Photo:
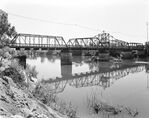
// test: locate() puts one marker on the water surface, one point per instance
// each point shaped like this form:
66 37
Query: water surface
115 83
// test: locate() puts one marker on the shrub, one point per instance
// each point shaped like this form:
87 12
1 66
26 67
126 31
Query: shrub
52 100
96 105
31 71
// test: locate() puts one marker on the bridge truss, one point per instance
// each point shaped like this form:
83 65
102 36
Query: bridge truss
103 40
33 40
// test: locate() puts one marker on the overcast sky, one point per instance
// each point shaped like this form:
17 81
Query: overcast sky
124 19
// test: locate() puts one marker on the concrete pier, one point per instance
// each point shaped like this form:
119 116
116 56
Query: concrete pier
66 57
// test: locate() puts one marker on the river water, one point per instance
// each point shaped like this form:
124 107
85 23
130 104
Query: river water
123 83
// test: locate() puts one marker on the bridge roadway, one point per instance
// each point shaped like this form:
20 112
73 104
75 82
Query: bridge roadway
98 42
93 78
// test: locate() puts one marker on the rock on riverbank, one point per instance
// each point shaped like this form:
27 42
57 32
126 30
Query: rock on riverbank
15 102
16 99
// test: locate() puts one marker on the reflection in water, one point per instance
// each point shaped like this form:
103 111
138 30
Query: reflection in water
93 78
66 71
101 74
147 68
122 83
147 71
77 59
42 54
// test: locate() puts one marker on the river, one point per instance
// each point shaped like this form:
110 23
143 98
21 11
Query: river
123 83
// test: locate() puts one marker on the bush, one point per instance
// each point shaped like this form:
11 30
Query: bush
52 100
7 52
96 105
31 71
14 74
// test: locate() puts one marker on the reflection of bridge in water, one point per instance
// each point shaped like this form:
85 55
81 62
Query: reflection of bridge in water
93 78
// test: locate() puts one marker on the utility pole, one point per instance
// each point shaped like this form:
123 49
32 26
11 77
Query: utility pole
147 43
147 51
147 81
147 30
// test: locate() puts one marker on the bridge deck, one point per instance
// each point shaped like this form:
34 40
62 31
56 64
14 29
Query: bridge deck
63 47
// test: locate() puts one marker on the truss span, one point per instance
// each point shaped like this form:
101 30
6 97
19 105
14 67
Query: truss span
33 40
103 40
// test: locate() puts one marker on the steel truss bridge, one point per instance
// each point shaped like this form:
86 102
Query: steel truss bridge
100 41
93 78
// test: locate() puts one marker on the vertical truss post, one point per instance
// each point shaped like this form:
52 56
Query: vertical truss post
41 41
54 41
38 40
33 40
29 40
47 42
19 42
25 40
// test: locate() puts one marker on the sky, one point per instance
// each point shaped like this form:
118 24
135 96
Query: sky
124 19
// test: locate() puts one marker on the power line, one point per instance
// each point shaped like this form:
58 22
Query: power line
147 30
53 22
68 24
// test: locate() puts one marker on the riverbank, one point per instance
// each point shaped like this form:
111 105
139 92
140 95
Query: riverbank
16 87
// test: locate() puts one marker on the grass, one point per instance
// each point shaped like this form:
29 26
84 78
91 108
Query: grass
96 104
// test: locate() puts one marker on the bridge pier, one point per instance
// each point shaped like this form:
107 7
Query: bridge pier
66 57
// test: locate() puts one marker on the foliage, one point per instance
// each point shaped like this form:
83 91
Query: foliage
21 53
10 67
7 53
96 105
54 102
67 109
6 30
31 71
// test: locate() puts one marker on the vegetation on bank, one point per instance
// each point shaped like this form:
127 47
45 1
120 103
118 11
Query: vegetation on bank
21 94
97 104
6 30
19 90
43 94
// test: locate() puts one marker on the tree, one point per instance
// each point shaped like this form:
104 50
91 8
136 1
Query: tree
6 30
